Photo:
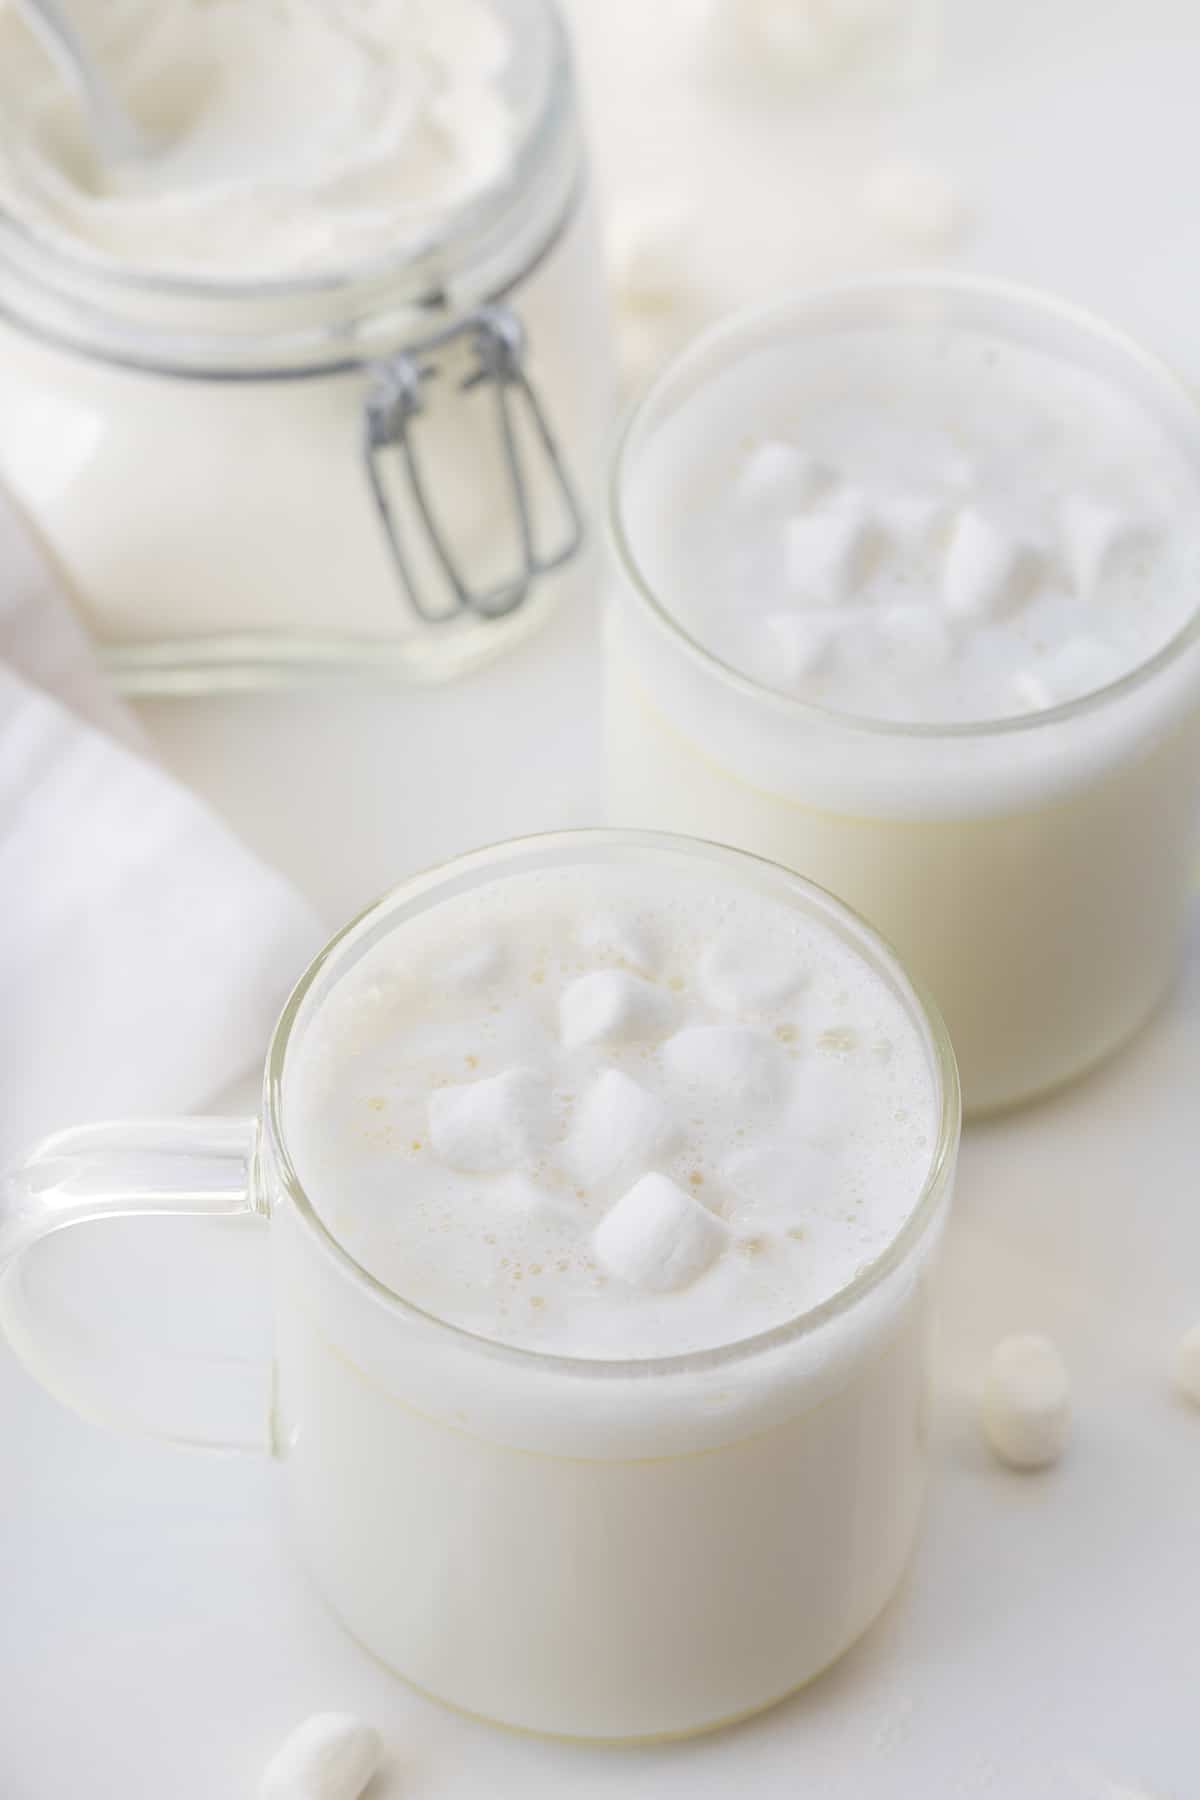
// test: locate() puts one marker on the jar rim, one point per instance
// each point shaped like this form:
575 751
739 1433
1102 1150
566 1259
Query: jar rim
461 224
424 890
750 321
163 322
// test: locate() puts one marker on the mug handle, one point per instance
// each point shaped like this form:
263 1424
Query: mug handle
191 1167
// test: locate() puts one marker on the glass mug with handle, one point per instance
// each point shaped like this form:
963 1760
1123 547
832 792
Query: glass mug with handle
590 1546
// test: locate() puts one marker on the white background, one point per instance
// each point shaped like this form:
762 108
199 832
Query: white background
156 1640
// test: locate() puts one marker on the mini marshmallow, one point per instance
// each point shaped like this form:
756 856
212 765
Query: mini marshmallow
473 967
787 41
648 244
725 1065
914 202
519 1197
1095 540
825 1105
1082 665
828 553
619 939
1186 1367
778 472
912 521
799 643
778 1183
610 1006
619 1127
739 974
916 636
331 1756
988 572
657 1237
1025 1407
493 1124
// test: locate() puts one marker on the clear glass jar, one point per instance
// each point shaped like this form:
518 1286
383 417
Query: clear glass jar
575 1546
1036 871
378 470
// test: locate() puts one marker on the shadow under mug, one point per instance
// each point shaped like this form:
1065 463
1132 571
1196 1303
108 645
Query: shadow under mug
615 1550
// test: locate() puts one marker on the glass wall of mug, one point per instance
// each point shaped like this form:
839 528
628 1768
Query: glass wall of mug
1034 870
387 469
572 1545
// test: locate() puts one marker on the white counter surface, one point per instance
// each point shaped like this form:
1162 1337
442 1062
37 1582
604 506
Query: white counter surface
156 1640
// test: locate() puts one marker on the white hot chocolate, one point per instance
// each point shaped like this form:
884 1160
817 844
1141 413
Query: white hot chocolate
594 1117
909 603
654 1149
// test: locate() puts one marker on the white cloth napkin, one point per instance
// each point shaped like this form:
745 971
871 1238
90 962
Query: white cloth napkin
144 952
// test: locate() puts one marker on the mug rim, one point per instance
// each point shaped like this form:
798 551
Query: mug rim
419 892
754 322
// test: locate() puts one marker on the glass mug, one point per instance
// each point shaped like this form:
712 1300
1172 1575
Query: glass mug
1035 871
615 1550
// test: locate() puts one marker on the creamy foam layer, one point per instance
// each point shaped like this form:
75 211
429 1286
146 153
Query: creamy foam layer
605 1114
919 524
294 136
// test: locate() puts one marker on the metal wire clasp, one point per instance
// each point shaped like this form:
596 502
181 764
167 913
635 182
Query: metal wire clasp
397 395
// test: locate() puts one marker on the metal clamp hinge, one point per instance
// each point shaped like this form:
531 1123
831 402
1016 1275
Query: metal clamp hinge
398 393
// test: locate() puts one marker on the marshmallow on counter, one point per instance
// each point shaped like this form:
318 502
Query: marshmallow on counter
1082 665
1095 539
740 974
805 42
781 473
494 1124
331 1756
828 553
657 291
619 1128
1186 1367
797 644
647 241
1025 1407
988 572
726 1065
611 1006
914 202
657 1237
619 939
